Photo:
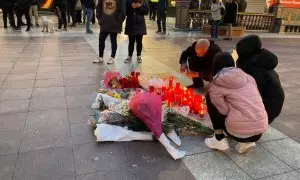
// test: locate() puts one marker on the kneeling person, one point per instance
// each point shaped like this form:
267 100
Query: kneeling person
234 106
198 58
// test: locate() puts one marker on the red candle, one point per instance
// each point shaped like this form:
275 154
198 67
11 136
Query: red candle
171 81
151 89
132 73
163 93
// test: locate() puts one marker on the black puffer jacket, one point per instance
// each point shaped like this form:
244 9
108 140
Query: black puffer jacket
135 21
260 64
231 12
6 3
203 64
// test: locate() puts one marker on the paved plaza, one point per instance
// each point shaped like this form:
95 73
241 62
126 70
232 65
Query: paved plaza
47 84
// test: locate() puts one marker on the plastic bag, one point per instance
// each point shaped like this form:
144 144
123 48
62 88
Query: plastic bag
148 108
107 132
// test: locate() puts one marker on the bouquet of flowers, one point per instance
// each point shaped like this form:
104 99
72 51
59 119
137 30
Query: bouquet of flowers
116 81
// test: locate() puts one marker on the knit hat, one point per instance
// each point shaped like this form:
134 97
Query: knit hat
222 60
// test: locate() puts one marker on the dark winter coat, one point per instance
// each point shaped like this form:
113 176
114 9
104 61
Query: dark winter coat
61 4
203 65
34 2
135 21
260 64
231 12
111 15
90 4
194 4
6 3
162 6
71 4
22 4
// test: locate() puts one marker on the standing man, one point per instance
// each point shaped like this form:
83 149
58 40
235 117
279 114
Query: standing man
111 15
72 11
89 9
162 16
34 10
22 8
230 17
7 7
153 9
198 58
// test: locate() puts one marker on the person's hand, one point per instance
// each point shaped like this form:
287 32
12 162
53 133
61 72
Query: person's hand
138 5
183 68
192 74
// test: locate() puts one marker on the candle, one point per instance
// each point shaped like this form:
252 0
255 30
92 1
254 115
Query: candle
151 89
171 81
163 93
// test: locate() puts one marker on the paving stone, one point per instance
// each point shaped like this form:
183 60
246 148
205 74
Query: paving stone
272 134
81 81
83 101
49 83
26 76
5 70
25 69
193 145
82 133
294 175
287 150
81 90
20 84
79 115
47 164
45 137
14 106
47 118
7 164
49 75
49 69
41 104
3 77
49 92
89 158
109 175
214 165
259 163
287 125
12 121
15 94
10 141
296 138
49 63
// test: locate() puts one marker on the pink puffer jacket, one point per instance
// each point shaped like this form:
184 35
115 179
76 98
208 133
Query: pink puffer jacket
235 94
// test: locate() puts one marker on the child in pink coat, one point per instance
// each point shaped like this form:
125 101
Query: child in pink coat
235 106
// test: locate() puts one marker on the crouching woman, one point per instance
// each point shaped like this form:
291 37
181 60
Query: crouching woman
234 106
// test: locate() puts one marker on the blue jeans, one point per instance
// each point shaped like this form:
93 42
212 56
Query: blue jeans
89 16
215 29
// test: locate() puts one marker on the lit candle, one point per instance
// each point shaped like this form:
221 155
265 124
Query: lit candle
151 89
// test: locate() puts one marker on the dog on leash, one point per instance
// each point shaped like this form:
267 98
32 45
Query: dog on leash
48 24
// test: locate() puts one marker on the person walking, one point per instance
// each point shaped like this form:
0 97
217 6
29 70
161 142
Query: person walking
22 8
71 4
34 11
217 8
7 7
89 8
260 64
111 15
230 17
162 16
60 7
235 106
135 27
152 9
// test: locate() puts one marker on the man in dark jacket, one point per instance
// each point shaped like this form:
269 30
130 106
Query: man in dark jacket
71 10
110 15
230 16
22 8
7 7
162 16
260 64
199 58
34 11
152 9
89 8
61 6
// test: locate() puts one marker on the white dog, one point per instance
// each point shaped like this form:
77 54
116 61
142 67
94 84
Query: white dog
47 24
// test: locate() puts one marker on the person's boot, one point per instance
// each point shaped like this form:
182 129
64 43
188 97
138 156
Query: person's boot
213 143
28 29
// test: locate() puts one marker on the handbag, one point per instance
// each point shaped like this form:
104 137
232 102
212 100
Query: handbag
78 5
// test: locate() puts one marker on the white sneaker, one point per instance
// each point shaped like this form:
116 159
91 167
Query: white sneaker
139 59
243 147
111 60
128 59
99 60
213 143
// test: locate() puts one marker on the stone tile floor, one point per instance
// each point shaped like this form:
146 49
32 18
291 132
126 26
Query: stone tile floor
47 82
